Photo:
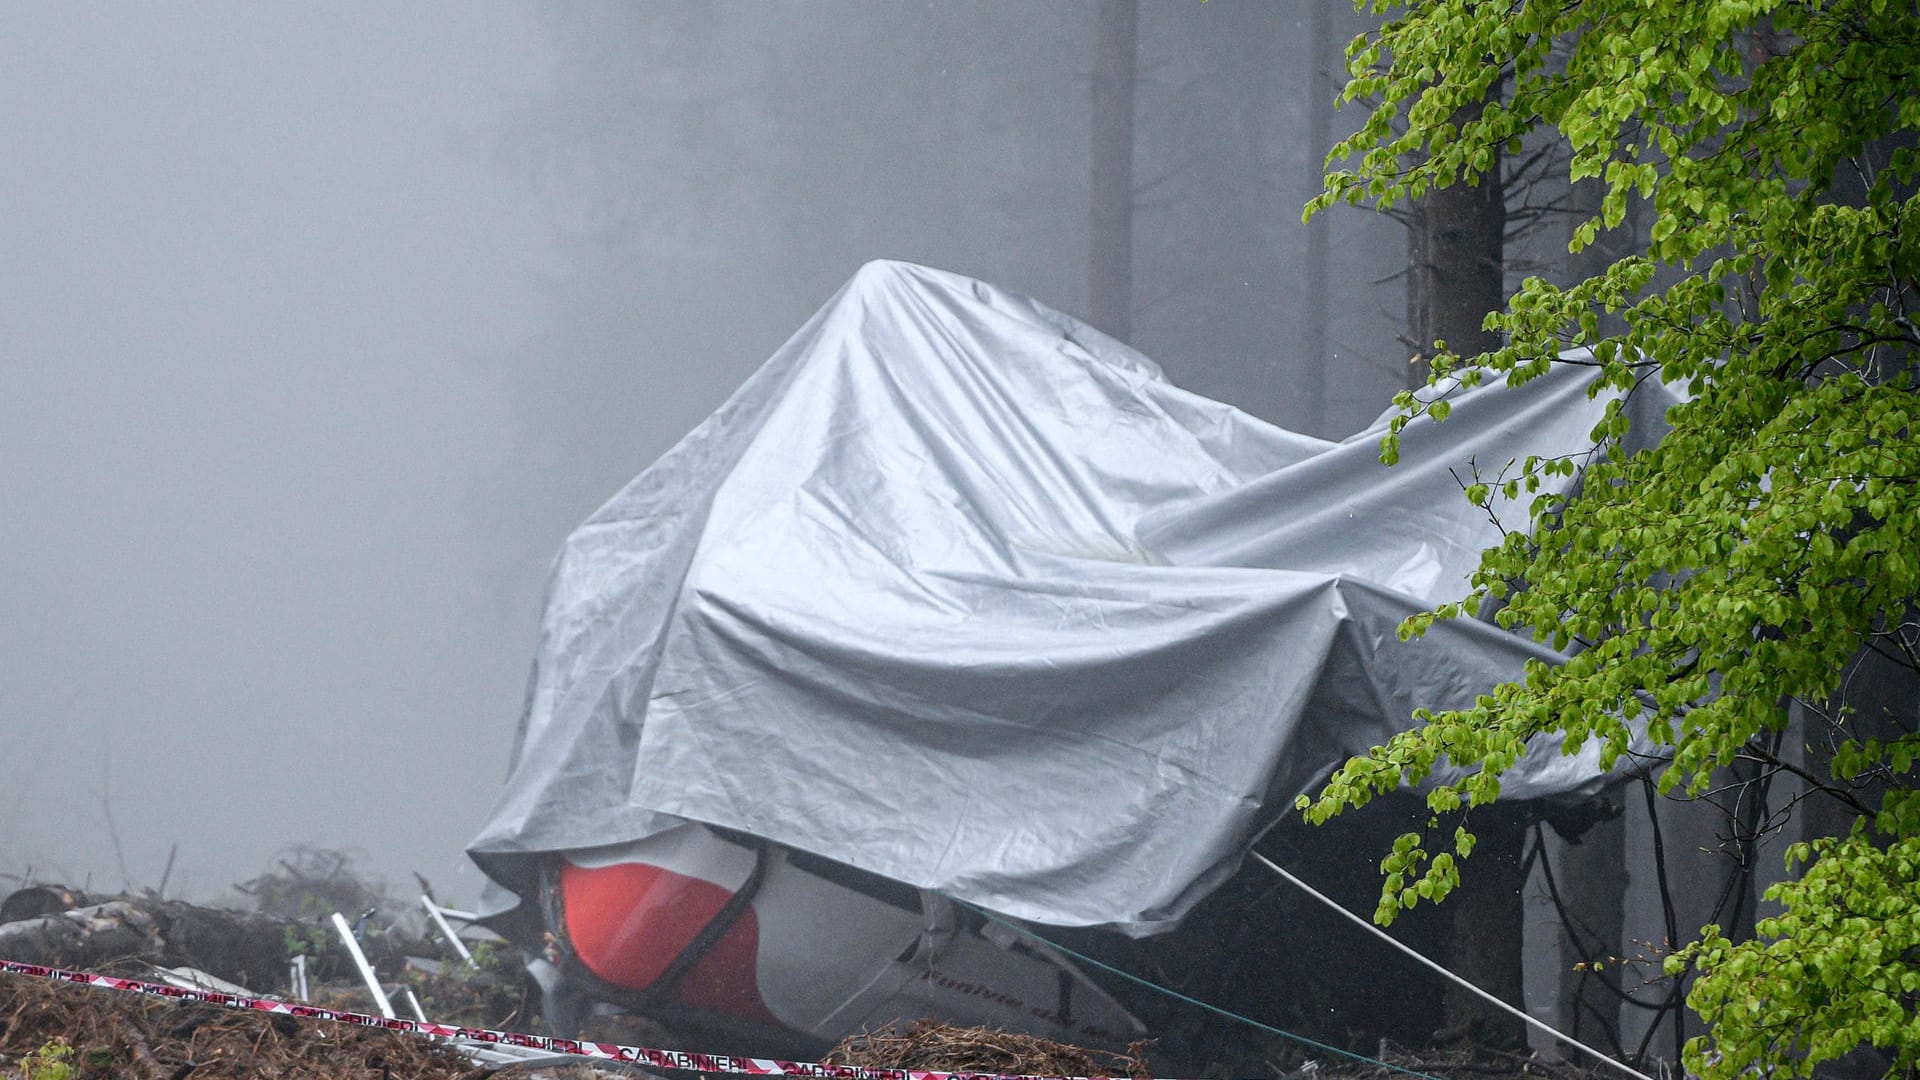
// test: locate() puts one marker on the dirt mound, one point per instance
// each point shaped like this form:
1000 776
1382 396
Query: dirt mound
101 1034
930 1044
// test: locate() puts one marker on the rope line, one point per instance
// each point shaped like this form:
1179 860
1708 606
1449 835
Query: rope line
1194 1001
1443 972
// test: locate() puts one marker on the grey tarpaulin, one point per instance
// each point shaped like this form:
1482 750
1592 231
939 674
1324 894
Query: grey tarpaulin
962 592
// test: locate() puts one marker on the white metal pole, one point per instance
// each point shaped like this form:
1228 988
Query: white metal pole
438 915
366 969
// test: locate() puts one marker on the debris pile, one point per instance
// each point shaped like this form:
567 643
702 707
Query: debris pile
99 1034
930 1044
54 1030
307 882
241 947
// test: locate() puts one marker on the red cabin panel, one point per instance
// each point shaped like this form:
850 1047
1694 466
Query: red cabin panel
628 921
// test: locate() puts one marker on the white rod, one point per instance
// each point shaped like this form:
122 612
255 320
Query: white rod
1489 998
366 969
436 913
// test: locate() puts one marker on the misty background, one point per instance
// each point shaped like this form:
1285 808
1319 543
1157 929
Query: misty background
321 326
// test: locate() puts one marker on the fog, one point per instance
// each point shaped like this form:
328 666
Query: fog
321 326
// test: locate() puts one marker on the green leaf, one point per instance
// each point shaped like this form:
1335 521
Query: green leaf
1752 557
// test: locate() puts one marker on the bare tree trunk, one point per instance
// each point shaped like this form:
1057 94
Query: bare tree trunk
1456 249
1485 941
1592 886
1313 375
1419 296
1592 869
1110 244
1456 256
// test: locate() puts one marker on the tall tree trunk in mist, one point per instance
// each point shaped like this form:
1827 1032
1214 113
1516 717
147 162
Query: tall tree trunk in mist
1591 877
1456 250
1456 253
1313 298
1486 935
1593 869
1110 189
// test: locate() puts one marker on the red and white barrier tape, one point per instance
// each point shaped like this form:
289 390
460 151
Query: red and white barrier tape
638 1055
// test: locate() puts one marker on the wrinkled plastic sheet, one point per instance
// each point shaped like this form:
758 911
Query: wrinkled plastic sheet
959 591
